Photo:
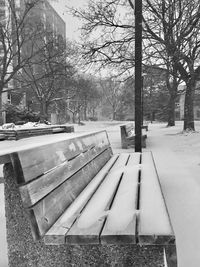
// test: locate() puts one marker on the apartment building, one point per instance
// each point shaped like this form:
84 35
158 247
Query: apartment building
50 19
53 24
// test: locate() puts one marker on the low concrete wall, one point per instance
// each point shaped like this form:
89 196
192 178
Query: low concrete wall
23 251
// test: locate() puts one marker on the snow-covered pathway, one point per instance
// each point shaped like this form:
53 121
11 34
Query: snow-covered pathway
3 249
177 158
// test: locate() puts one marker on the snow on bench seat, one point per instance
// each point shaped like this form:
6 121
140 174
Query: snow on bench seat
87 227
57 233
121 218
154 224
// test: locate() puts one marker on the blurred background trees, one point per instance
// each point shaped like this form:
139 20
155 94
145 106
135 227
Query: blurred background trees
93 79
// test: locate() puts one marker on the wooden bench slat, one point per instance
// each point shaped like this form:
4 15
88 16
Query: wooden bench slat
124 206
88 226
31 163
39 188
56 234
120 226
44 214
154 223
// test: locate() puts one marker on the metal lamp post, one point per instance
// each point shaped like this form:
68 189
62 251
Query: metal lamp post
142 98
138 75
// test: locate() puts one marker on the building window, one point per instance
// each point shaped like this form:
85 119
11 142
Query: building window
9 98
177 105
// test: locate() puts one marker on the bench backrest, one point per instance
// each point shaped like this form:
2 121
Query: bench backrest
51 176
127 129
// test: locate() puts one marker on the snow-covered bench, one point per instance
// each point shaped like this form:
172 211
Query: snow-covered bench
76 192
19 133
145 126
128 136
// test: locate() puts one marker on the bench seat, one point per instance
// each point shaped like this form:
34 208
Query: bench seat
124 205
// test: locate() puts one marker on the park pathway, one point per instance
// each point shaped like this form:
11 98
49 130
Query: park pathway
3 246
180 182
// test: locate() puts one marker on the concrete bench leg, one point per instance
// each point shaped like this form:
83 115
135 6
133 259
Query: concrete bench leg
171 256
124 145
143 142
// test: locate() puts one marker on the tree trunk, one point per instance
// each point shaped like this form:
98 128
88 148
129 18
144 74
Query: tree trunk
171 110
2 113
189 107
114 115
93 112
43 111
172 89
85 111
74 117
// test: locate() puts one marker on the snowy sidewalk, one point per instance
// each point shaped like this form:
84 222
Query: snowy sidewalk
3 249
180 187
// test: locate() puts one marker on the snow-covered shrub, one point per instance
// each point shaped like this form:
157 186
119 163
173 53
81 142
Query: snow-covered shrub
17 113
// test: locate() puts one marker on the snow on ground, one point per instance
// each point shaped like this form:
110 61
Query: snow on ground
177 158
3 249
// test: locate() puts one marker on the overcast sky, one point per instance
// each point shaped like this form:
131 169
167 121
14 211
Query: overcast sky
72 24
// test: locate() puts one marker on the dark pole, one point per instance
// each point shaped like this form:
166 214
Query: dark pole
142 102
138 75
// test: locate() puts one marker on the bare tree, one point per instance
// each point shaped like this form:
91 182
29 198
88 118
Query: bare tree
171 40
85 95
113 23
13 38
49 72
108 35
172 28
112 92
17 41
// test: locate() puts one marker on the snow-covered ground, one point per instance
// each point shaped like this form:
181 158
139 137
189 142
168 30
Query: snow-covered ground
3 249
177 158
